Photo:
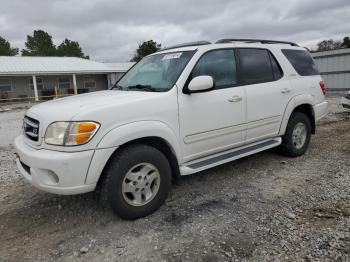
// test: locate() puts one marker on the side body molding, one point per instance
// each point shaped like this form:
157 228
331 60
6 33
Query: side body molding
298 100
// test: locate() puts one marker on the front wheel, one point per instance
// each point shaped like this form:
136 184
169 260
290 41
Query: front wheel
137 181
296 139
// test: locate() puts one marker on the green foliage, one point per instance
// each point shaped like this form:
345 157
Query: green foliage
327 45
331 44
70 48
40 44
144 49
346 42
6 49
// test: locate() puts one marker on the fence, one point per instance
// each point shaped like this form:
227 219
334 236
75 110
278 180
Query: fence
33 98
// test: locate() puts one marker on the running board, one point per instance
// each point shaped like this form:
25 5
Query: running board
227 156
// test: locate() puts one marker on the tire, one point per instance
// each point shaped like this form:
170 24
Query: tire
289 146
134 162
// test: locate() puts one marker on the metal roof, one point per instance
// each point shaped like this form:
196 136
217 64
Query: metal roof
30 65
120 67
337 52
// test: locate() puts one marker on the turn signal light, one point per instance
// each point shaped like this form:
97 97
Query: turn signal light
85 127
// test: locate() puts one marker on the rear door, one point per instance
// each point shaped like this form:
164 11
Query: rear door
268 92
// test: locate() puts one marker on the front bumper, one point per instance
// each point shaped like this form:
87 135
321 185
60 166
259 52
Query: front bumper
56 172
345 102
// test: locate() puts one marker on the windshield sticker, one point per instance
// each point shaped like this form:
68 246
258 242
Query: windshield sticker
171 56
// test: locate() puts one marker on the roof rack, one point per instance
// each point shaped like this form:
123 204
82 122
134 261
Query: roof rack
263 41
186 45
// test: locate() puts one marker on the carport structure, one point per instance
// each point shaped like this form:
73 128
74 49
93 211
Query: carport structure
33 77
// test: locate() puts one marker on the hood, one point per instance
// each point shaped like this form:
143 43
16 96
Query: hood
110 108
64 109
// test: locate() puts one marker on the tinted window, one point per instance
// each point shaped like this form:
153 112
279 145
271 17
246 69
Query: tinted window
39 83
219 64
256 65
64 83
276 69
301 61
5 85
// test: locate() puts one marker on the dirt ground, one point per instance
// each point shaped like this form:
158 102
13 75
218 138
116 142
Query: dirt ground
261 208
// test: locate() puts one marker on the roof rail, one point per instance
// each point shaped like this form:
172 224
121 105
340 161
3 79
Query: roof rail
263 41
186 44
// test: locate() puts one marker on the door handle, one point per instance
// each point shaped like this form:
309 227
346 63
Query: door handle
285 90
235 98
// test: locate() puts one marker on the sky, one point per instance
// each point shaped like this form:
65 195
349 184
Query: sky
110 30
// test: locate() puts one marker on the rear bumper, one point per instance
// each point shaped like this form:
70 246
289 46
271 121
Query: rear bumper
52 171
321 110
345 102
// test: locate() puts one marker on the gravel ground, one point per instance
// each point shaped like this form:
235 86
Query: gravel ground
261 208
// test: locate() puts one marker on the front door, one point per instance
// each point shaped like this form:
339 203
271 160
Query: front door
215 120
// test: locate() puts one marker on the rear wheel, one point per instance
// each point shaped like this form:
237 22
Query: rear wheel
137 181
296 139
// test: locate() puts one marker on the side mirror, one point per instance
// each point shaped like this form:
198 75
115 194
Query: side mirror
201 84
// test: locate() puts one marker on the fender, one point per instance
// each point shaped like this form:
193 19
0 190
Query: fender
126 133
292 104
140 129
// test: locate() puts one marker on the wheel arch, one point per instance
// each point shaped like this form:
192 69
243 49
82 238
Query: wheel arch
308 110
163 146
136 133
303 104
156 142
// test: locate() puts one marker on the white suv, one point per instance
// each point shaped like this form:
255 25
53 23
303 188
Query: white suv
181 110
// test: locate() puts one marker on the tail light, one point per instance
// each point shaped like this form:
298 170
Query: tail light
323 87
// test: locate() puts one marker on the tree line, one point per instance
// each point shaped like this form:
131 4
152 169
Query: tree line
41 44
331 44
149 47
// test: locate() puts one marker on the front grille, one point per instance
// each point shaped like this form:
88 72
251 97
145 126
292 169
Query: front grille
31 128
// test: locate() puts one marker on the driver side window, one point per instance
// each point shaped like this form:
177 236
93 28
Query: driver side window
219 64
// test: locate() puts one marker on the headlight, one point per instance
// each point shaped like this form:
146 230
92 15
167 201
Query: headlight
70 133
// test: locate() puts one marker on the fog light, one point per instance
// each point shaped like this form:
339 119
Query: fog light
47 177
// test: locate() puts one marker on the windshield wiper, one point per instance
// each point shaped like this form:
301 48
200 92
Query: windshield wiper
144 88
118 87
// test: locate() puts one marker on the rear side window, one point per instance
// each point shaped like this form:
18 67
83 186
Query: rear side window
301 61
258 66
219 64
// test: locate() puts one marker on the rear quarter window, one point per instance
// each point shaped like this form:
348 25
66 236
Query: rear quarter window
301 61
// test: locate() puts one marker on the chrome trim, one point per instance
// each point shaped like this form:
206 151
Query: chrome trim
31 129
32 124
32 134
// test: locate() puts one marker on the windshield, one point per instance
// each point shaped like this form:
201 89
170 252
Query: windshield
156 73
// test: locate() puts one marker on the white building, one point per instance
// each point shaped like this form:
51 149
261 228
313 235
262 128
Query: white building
37 78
